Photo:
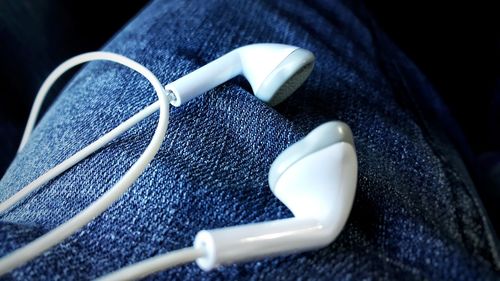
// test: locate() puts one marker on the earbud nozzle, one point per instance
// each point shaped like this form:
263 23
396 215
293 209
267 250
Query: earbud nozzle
287 77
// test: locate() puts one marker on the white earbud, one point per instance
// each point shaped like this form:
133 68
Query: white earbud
274 71
316 179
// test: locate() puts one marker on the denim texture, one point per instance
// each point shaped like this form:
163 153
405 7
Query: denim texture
416 215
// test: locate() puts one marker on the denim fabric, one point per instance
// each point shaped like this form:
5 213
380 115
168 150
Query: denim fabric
459 60
416 214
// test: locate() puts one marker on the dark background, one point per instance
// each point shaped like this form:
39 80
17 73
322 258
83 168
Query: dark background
35 37
456 45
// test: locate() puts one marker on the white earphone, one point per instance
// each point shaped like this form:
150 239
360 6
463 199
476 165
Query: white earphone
274 71
315 178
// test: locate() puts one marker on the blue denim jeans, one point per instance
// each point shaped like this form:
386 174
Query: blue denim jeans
416 213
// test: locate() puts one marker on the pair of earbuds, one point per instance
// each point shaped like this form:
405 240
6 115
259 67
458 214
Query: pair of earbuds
315 177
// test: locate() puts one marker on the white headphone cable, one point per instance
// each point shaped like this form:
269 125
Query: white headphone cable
57 235
152 265
77 157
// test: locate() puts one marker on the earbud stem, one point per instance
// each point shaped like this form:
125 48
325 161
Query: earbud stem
205 78
247 242
321 203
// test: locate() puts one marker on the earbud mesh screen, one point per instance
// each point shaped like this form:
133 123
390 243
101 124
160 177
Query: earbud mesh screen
292 84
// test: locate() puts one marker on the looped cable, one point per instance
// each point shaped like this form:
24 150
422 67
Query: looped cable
57 235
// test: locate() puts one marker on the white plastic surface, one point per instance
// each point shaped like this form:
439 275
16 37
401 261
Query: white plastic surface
259 60
254 61
325 188
205 78
319 190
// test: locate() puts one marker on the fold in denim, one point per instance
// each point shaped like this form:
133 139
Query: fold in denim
416 214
